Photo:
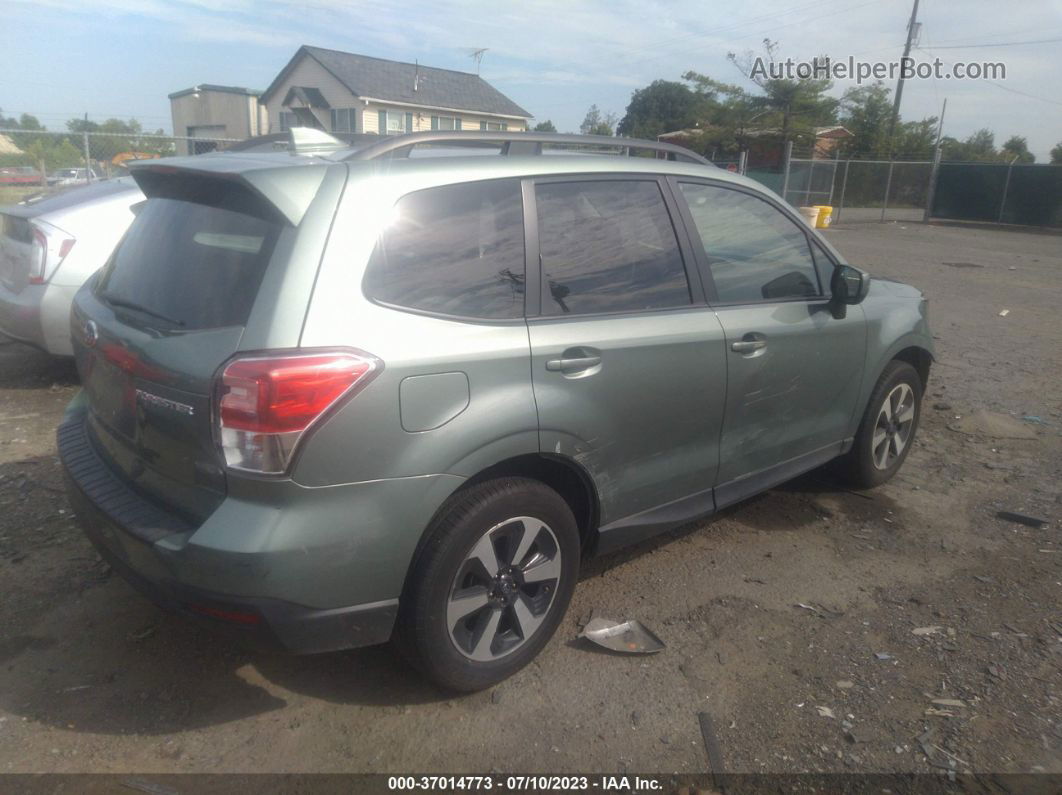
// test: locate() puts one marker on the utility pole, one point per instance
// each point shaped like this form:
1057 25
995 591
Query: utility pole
912 26
934 170
88 156
940 124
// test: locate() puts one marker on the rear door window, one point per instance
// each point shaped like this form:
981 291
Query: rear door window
608 246
454 250
189 266
754 252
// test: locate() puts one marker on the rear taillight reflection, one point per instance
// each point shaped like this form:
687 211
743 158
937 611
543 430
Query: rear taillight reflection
265 404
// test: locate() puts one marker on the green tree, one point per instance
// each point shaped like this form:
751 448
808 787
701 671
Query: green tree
728 113
915 139
795 106
112 136
598 123
865 112
28 122
662 106
23 122
979 147
1017 148
545 126
1056 154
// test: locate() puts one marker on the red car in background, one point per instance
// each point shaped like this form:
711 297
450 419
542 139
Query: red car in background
20 175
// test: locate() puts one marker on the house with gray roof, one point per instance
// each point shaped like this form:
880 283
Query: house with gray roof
344 92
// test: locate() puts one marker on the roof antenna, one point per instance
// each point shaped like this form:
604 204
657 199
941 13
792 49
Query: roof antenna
477 56
416 74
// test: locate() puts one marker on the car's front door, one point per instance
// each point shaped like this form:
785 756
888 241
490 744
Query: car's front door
793 369
628 362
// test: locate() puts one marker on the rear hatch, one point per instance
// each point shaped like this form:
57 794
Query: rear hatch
152 329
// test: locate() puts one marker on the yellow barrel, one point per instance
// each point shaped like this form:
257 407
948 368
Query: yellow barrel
825 216
811 215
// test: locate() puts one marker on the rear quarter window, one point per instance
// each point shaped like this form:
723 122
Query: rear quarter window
190 265
453 250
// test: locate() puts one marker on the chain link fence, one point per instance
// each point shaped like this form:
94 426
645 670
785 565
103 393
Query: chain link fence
42 161
875 189
860 190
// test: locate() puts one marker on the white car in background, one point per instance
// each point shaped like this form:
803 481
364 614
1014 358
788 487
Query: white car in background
49 248
72 176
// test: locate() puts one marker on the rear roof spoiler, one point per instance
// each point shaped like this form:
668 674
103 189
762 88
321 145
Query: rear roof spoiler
287 188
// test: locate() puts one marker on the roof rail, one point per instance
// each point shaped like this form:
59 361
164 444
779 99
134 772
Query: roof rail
519 143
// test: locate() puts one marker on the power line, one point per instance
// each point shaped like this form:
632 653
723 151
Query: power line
771 29
994 83
997 34
996 44
726 29
836 11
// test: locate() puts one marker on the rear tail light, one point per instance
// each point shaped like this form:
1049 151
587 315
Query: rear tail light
48 253
266 404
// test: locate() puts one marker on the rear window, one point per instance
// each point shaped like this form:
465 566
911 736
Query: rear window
454 250
189 265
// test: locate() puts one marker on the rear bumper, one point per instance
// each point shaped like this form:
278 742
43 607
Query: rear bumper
263 623
261 595
38 315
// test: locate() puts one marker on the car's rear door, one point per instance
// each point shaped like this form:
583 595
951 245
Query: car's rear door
793 369
628 362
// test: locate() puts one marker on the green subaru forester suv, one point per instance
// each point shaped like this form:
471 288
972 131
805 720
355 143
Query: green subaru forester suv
335 395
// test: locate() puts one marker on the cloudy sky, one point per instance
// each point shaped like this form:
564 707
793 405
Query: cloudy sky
62 58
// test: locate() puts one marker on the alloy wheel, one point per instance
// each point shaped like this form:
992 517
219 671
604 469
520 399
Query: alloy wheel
503 589
892 429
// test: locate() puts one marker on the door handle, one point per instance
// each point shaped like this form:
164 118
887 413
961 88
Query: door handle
573 363
748 346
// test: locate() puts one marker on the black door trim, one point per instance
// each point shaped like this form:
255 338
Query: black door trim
702 504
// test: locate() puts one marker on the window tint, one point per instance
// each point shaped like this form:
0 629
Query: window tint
190 265
754 251
456 250
608 246
823 264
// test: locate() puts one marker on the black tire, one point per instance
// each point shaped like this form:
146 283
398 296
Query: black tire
422 634
861 469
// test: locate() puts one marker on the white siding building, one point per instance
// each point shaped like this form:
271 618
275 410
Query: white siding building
343 92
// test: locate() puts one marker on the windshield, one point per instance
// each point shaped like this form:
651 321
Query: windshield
190 266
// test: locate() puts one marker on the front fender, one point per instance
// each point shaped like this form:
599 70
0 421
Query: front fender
895 323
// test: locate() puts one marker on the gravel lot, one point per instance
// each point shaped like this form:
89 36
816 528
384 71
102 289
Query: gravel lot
930 640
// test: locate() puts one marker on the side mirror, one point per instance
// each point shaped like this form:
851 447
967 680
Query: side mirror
848 286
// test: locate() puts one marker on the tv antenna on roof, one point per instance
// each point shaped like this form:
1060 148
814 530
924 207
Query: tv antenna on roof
477 55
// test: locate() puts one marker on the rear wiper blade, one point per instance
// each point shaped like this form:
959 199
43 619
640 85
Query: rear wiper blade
126 304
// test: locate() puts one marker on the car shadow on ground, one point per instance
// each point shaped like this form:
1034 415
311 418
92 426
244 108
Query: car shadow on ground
79 647
24 367
86 650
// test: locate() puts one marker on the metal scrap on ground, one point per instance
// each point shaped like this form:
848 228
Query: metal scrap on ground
1020 518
